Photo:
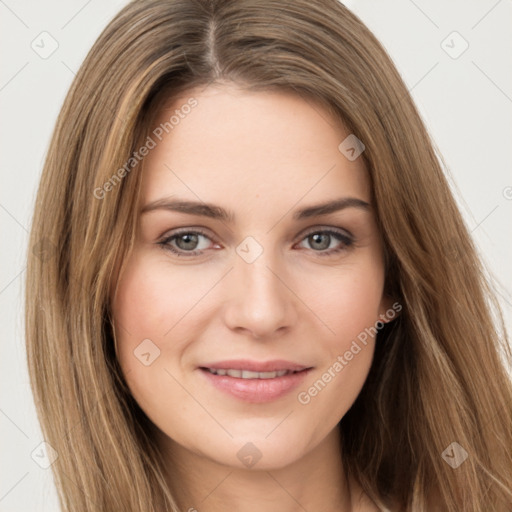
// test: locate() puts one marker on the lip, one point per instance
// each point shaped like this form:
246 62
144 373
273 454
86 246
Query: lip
256 390
256 366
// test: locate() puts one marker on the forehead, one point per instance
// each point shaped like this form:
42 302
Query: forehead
223 142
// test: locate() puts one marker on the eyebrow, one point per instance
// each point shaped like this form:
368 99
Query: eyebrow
216 212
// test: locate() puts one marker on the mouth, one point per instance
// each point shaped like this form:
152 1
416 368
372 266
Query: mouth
255 382
247 374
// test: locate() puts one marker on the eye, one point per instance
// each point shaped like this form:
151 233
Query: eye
188 242
320 240
185 243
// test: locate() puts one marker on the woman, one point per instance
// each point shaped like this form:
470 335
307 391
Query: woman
262 294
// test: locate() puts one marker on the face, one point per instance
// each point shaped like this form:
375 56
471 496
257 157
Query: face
236 269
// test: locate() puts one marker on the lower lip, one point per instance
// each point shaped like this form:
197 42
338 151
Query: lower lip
256 390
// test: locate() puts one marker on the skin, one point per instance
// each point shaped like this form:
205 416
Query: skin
261 155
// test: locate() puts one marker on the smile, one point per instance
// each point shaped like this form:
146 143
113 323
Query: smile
254 386
247 374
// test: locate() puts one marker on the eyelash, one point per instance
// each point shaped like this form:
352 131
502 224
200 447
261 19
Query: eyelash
347 241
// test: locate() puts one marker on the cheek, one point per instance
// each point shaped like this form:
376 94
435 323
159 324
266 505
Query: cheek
348 304
150 310
346 300
150 303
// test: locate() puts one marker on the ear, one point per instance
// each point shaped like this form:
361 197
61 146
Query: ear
389 309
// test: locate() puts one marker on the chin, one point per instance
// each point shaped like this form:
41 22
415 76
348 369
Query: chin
256 452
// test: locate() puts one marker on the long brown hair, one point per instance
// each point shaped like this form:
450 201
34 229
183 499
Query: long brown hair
438 376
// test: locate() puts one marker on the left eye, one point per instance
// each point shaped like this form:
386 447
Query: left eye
322 240
186 243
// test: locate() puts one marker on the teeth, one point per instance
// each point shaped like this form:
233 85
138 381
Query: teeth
247 374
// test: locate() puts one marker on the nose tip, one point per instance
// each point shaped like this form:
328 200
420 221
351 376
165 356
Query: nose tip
259 301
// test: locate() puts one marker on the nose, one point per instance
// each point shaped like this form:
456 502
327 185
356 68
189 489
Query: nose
260 301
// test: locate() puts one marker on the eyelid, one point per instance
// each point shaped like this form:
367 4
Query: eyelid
315 229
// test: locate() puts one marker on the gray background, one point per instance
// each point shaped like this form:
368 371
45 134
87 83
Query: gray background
465 101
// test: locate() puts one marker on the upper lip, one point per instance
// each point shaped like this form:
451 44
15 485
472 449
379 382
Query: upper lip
256 366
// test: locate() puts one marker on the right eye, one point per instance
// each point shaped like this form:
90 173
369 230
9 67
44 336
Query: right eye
184 243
